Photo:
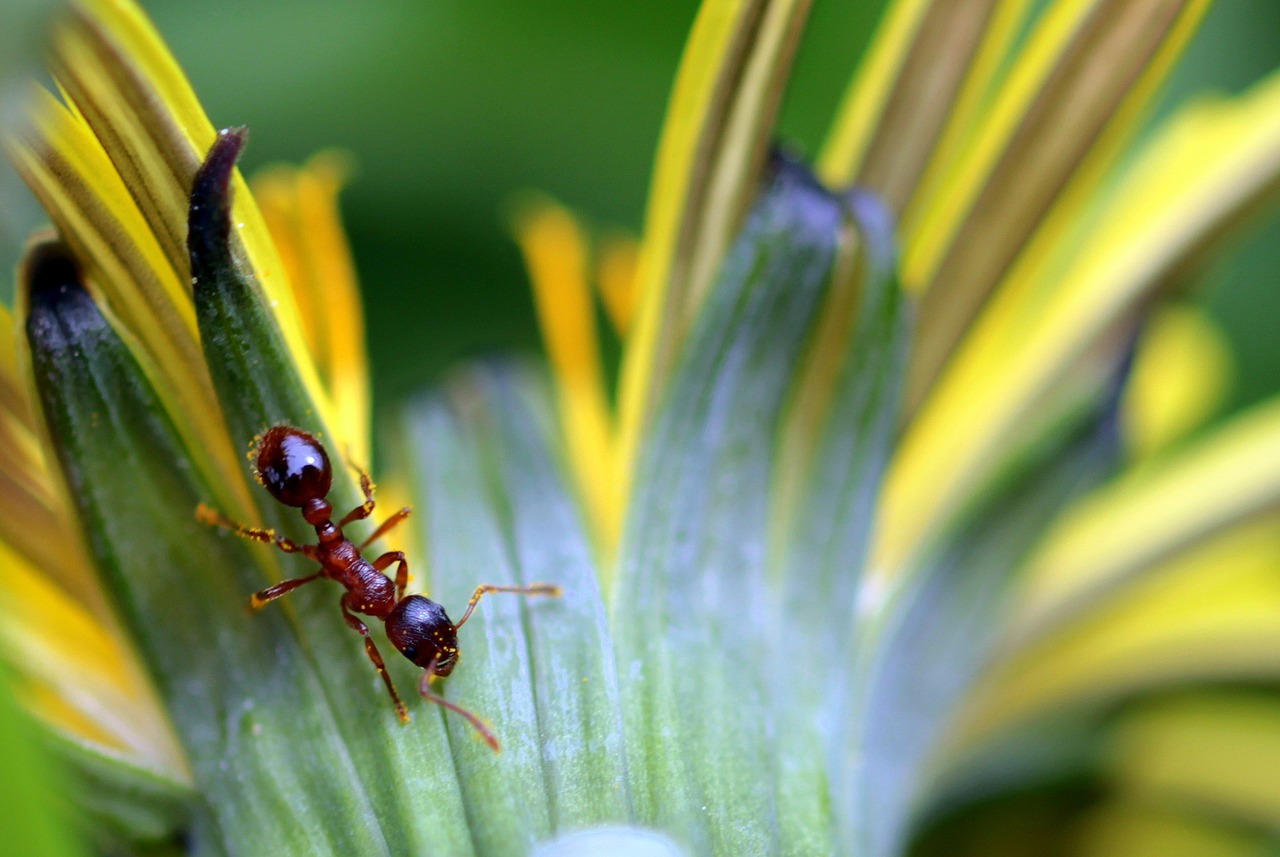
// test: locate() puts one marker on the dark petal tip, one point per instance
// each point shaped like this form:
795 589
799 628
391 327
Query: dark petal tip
51 273
61 312
209 215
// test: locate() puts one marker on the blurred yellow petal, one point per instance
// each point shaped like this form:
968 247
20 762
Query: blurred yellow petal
1075 95
925 53
13 397
616 279
121 77
300 207
1211 164
1210 613
717 126
982 81
1218 753
867 97
33 513
735 165
84 667
1136 828
1127 527
555 252
1180 377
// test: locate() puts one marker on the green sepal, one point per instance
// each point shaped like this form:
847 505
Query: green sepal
405 770
828 541
241 691
909 667
694 608
495 509
253 372
123 802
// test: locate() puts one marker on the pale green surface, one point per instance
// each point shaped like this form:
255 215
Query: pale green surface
707 654
612 841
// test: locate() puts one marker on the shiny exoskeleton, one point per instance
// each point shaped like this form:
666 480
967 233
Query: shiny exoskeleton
294 467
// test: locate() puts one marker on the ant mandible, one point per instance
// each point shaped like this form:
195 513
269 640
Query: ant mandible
294 467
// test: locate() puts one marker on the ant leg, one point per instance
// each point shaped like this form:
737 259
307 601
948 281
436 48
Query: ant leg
214 518
365 509
385 526
549 589
372 651
424 688
260 599
402 573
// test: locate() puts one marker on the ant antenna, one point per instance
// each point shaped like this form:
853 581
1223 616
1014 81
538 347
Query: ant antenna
484 589
424 688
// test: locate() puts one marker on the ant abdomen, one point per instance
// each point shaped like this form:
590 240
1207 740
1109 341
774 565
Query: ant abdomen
293 466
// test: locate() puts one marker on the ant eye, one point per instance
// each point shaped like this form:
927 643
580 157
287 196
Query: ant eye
411 652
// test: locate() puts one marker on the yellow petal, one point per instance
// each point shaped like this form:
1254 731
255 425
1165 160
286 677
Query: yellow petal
555 252
1180 377
34 517
616 279
909 87
1209 167
867 98
739 152
300 207
718 123
121 77
1217 752
1069 105
1211 613
1136 828
75 181
83 667
1129 526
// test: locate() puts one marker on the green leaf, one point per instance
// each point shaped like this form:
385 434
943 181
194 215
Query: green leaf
242 692
694 612
495 509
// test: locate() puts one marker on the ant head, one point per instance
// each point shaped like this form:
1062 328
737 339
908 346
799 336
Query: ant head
293 466
419 628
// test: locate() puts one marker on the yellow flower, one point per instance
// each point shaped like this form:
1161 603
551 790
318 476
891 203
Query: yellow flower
900 476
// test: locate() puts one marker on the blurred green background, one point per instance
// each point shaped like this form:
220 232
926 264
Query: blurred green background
450 107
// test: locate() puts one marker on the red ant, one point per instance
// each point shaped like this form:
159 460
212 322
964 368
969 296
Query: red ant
294 467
